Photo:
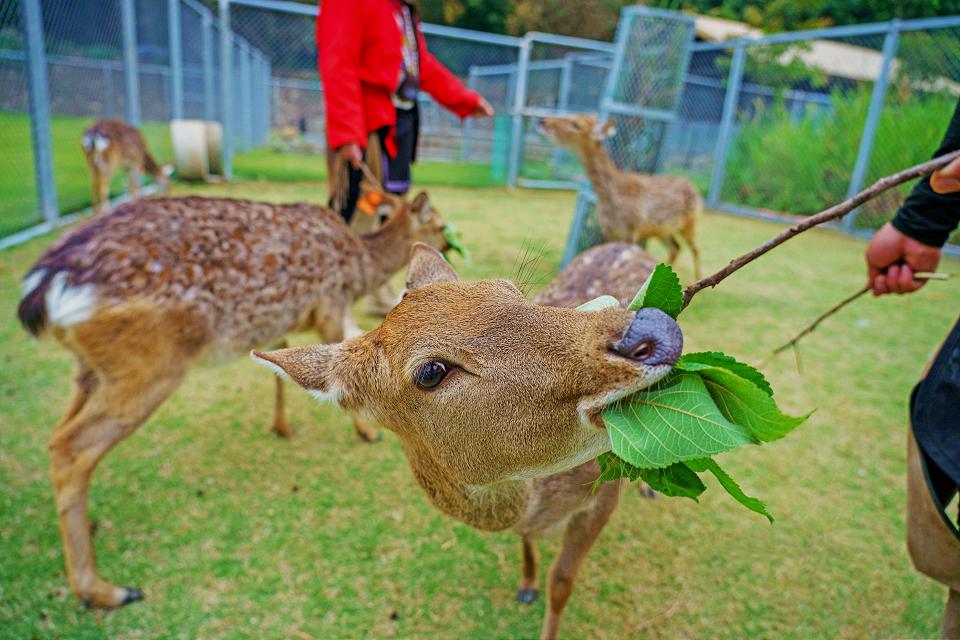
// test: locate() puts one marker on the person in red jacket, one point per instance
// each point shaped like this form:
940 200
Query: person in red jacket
373 60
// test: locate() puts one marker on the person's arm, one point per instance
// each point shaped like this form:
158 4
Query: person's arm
911 242
339 36
446 89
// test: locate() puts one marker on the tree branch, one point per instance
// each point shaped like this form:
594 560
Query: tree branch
833 213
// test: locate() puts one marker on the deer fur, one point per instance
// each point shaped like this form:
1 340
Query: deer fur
631 207
508 439
143 293
110 145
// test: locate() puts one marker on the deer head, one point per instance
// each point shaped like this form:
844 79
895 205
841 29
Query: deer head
492 386
578 131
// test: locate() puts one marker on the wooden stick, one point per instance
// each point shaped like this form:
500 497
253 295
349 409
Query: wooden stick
920 275
833 213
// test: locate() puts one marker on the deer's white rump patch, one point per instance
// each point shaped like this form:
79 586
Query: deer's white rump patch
68 305
31 282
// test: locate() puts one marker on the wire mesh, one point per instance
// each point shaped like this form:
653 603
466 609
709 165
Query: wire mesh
18 207
920 99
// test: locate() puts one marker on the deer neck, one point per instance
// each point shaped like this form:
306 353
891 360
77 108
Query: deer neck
389 248
599 167
492 507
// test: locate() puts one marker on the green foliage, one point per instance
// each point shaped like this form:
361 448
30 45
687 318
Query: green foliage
661 291
801 163
454 238
709 404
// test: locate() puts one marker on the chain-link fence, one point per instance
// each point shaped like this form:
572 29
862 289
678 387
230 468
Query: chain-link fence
788 124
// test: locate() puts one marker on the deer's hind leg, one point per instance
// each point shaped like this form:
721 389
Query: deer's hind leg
527 592
672 246
101 189
120 383
134 182
581 532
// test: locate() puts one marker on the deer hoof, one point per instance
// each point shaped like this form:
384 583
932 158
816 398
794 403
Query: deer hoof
648 492
132 595
527 596
282 431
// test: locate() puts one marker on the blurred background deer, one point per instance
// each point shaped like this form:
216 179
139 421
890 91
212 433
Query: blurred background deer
631 207
141 294
110 145
496 401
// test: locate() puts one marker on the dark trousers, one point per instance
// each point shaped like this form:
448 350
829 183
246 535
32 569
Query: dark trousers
396 170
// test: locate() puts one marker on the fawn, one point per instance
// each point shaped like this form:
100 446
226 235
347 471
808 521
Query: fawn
110 145
144 292
630 206
496 402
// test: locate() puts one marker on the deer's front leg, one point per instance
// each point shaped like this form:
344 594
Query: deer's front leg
527 592
280 425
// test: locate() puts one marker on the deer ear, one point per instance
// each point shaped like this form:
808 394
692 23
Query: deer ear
605 130
313 368
428 266
421 207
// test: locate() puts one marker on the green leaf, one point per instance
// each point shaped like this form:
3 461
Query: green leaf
613 468
673 421
662 291
745 404
455 239
603 302
703 359
677 480
728 483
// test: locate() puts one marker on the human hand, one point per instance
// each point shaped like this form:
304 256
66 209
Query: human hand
947 180
351 153
893 258
483 109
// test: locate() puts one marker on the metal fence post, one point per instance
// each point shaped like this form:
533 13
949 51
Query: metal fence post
890 44
519 103
246 97
206 48
730 101
563 104
468 126
131 74
39 99
226 87
176 59
268 96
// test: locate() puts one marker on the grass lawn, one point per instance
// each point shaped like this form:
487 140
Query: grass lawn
234 533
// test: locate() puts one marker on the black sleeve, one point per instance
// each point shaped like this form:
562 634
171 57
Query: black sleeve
928 216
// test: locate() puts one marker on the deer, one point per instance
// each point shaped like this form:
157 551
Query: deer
496 403
110 145
143 293
631 207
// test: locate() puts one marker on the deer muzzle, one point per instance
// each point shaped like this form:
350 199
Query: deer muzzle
653 338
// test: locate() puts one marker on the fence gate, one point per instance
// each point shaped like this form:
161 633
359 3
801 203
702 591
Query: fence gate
642 91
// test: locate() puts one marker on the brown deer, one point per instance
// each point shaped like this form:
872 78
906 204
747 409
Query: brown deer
144 292
631 207
110 145
496 402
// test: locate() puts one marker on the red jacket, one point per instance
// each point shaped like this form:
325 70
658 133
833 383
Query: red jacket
359 44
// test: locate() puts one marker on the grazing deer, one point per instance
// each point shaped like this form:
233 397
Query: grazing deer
630 206
496 402
141 294
110 145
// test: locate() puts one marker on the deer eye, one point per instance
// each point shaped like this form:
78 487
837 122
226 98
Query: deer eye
430 374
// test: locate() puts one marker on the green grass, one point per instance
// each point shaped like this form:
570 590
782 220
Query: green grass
277 165
18 192
234 533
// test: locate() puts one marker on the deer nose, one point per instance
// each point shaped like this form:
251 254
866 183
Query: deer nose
653 338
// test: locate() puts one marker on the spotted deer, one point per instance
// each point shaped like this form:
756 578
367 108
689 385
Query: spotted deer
496 402
110 145
631 207
143 293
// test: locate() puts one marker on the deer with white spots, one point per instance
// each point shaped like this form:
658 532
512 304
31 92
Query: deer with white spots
496 400
143 293
111 145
